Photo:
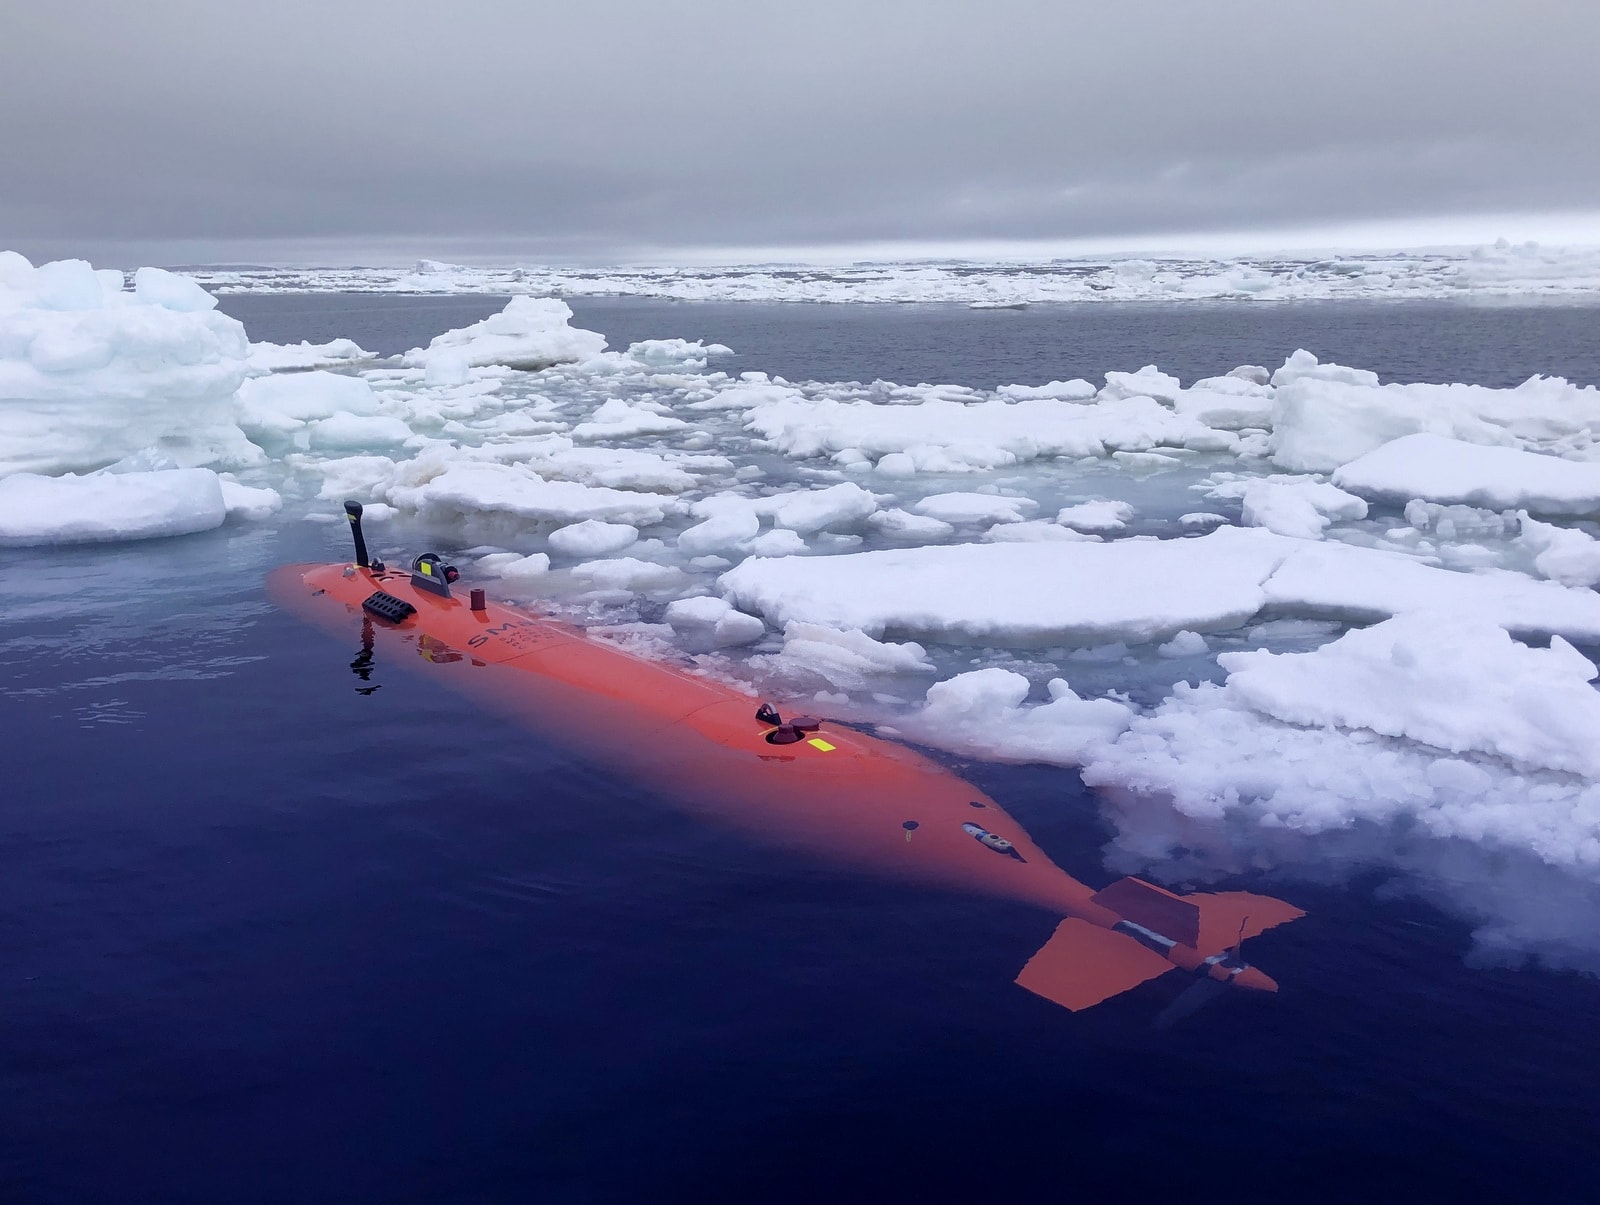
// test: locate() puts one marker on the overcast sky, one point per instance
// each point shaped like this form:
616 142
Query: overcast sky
343 131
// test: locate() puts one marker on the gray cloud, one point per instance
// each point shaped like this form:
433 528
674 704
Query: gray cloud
226 129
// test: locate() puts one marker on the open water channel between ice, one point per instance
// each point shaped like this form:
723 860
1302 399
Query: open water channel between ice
270 935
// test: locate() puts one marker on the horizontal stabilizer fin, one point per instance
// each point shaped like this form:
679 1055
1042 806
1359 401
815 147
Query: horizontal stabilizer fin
1223 913
1150 907
1083 964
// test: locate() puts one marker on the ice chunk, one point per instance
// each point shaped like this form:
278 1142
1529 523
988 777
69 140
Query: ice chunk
817 510
616 419
593 538
713 619
157 286
1302 509
1075 390
903 525
513 565
945 436
675 353
776 543
531 333
1202 518
343 431
91 374
102 507
448 369
1184 644
744 395
247 502
1034 530
1228 403
848 659
276 407
1452 471
1564 555
1459 522
1362 585
962 508
982 712
727 527
1320 425
1097 515
1444 680
513 491
1303 366
278 357
630 573
1149 382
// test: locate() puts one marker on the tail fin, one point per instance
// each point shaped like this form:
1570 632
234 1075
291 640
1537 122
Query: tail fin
1228 917
1083 964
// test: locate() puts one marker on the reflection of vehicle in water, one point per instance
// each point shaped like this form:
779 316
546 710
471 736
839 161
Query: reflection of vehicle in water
802 782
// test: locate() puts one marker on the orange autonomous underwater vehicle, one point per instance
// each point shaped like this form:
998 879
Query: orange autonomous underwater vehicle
803 782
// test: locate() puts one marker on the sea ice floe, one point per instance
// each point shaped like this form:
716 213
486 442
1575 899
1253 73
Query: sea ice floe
945 436
102 507
509 495
1451 471
1098 515
530 333
983 712
1138 590
592 538
1321 423
712 620
1302 509
845 658
1561 554
281 357
968 508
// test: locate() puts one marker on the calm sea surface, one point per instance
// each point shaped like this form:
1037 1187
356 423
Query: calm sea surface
267 939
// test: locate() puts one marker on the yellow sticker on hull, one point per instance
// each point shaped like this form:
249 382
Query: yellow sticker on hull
817 742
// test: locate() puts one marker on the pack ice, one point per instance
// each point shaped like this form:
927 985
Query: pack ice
1301 601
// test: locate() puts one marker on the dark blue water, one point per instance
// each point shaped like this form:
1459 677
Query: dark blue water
264 938
1498 345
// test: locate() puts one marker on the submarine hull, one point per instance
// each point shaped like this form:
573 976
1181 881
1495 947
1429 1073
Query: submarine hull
839 793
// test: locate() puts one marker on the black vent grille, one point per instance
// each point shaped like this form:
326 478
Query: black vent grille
387 606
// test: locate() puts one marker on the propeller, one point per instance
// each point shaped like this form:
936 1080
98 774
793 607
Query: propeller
1203 990
1190 1001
